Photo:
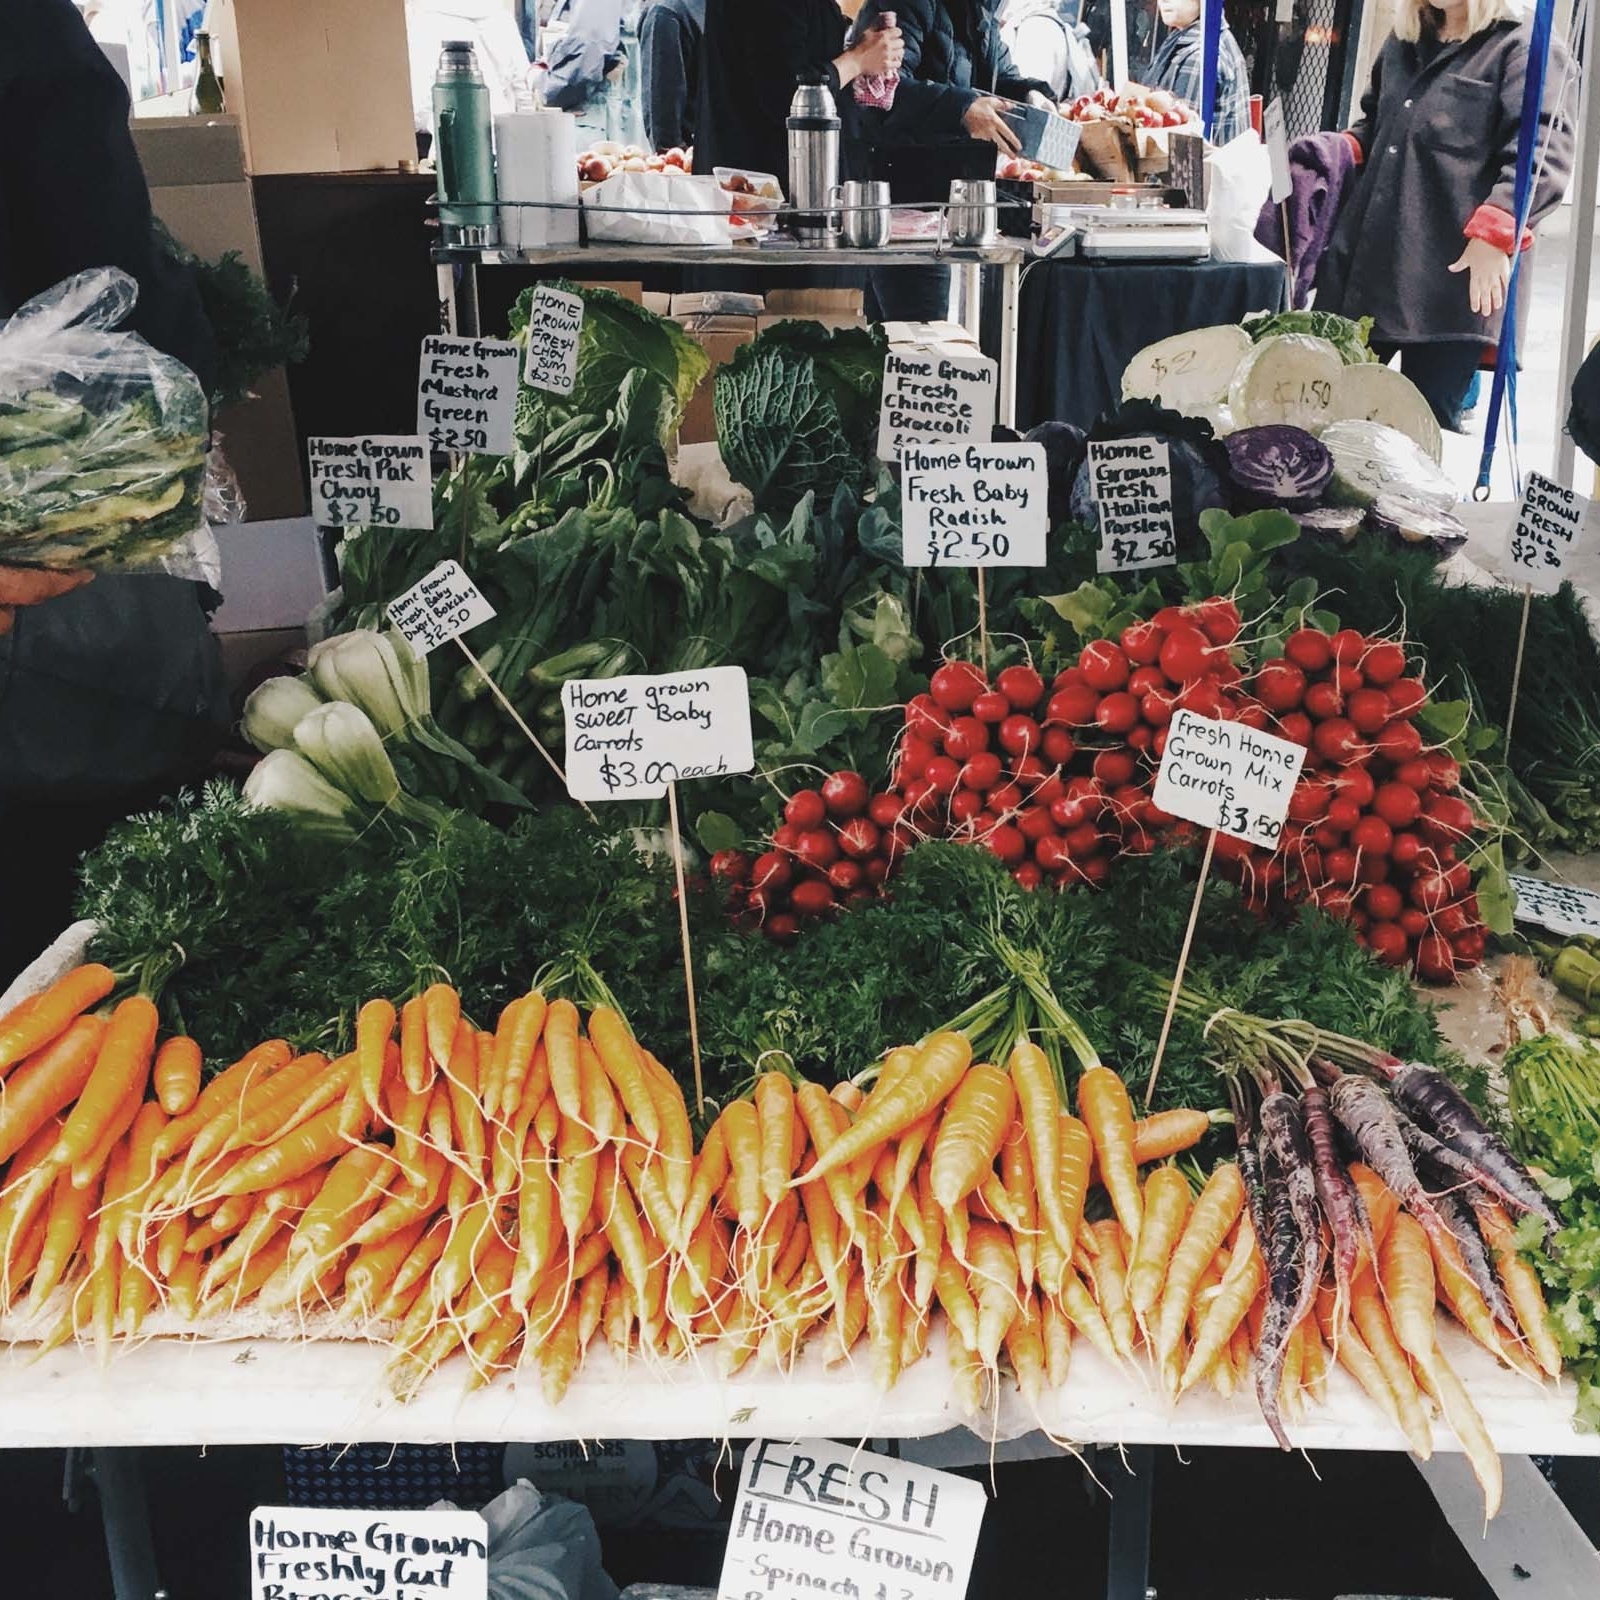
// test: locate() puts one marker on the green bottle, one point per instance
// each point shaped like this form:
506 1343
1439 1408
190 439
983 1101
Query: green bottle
463 149
207 99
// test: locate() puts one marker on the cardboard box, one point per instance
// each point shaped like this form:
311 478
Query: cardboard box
719 337
926 335
814 302
822 320
317 88
1107 150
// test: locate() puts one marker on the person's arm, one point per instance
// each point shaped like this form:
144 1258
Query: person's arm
662 48
32 586
87 204
923 112
1491 230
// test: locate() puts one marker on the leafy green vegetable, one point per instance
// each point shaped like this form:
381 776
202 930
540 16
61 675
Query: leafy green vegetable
1347 337
797 411
618 337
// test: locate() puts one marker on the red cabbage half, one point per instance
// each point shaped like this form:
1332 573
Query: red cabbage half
1277 465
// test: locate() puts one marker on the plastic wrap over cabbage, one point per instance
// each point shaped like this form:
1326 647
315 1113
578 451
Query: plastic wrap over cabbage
1371 459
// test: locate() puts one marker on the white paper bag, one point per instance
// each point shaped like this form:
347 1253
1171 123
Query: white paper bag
651 208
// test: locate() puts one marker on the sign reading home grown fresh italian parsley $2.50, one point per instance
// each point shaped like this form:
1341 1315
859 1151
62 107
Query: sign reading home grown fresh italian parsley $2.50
819 1518
1226 776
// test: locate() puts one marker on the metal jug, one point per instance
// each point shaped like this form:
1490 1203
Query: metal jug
974 213
813 160
864 215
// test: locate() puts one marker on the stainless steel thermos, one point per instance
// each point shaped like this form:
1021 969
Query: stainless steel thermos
813 160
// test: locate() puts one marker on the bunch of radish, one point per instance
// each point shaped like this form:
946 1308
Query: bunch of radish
1056 781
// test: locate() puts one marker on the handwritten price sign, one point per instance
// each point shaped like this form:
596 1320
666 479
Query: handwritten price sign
1130 482
1544 538
375 481
431 613
933 397
984 505
355 1555
555 324
467 394
1225 776
629 738
1560 907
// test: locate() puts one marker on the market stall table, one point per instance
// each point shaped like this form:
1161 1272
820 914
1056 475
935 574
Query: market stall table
458 277
1080 322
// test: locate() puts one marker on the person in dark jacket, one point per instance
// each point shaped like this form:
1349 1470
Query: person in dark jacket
945 123
1424 241
754 53
112 692
670 32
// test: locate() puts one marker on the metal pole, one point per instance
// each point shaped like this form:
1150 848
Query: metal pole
125 1513
1010 282
1580 261
1119 44
1132 1500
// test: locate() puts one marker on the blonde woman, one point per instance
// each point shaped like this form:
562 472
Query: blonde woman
1425 237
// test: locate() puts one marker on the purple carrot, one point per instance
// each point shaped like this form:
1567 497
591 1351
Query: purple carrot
1440 1108
1341 1200
1462 1223
1294 1249
1255 1194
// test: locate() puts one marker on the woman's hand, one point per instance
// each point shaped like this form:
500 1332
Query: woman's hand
877 53
28 586
1489 271
983 121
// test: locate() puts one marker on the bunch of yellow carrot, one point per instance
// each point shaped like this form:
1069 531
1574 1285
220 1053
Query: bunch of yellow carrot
513 1194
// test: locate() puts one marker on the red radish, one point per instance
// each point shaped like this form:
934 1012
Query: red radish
1028 875
1388 942
1129 802
1309 802
785 836
1399 742
1383 662
846 875
1158 745
877 870
859 838
1096 869
1103 665
1384 902
896 842
1219 619
991 706
1203 698
1444 770
1436 961
782 926
1343 814
1028 770
818 849
1083 841
1170 617
1280 685
1143 679
1296 728
1072 811
1348 679
1323 700
1337 740
1430 891
761 903
982 771
771 871
885 809
1354 783
1157 707
1186 655
1340 865
811 898
1074 706
966 737
1348 646
1414 922
1368 709
1415 774
926 718
921 796
1049 788
1007 842
943 773
1022 686
1450 816
1118 713
805 809
1399 806
845 794
1141 643
730 866
1141 737
1019 735
915 754
1309 648
1373 835
1452 920
1459 878
966 805
1407 696
1051 852
1005 798
1058 746
1114 768
1067 678
1372 869
1034 822
956 684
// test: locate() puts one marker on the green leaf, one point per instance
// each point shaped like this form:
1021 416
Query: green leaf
1496 902
716 830
863 677
1086 608
1446 720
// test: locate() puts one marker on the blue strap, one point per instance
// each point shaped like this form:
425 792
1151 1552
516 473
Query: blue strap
1210 46
1505 363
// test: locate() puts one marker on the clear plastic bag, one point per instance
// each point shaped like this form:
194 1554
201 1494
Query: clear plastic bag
102 439
541 1548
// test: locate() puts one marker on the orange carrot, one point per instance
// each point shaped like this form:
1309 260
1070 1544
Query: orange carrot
938 1068
1521 1284
441 1013
311 1145
176 1075
623 1064
1380 1203
971 1132
466 1112
677 1139
1243 1280
43 1016
1214 1216
1108 1269
521 1048
561 1045
85 1170
1107 1112
775 1119
741 1127
1076 1154
48 1082
120 1073
1165 1210
65 1225
223 1090
375 1023
1373 1325
416 1066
